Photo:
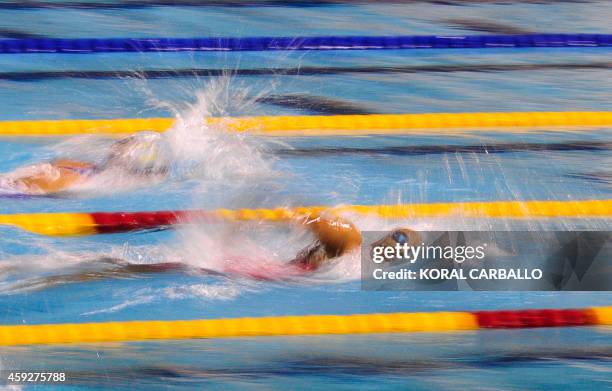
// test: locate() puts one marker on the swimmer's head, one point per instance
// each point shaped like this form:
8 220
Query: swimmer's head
399 236
144 153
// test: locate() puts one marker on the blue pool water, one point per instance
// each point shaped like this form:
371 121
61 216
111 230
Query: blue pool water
215 171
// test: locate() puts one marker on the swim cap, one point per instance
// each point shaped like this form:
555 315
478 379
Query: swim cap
400 236
142 153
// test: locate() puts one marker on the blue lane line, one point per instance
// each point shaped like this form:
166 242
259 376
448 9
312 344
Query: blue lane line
94 45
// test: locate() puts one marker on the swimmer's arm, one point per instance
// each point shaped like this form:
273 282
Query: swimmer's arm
59 178
66 163
335 237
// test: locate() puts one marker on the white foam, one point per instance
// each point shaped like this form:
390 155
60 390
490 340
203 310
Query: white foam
207 291
124 305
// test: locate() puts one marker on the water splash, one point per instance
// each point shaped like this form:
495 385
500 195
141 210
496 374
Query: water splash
200 153
210 152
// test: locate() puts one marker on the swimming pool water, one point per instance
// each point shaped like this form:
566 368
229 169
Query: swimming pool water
567 358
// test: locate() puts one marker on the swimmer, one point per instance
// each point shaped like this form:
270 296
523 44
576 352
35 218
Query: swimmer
144 154
334 237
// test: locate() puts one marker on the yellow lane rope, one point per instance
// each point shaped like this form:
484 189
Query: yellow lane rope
52 224
57 224
239 327
300 325
492 209
331 125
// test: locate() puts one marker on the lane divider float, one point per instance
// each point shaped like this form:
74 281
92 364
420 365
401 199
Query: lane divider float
328 125
301 325
117 45
67 224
